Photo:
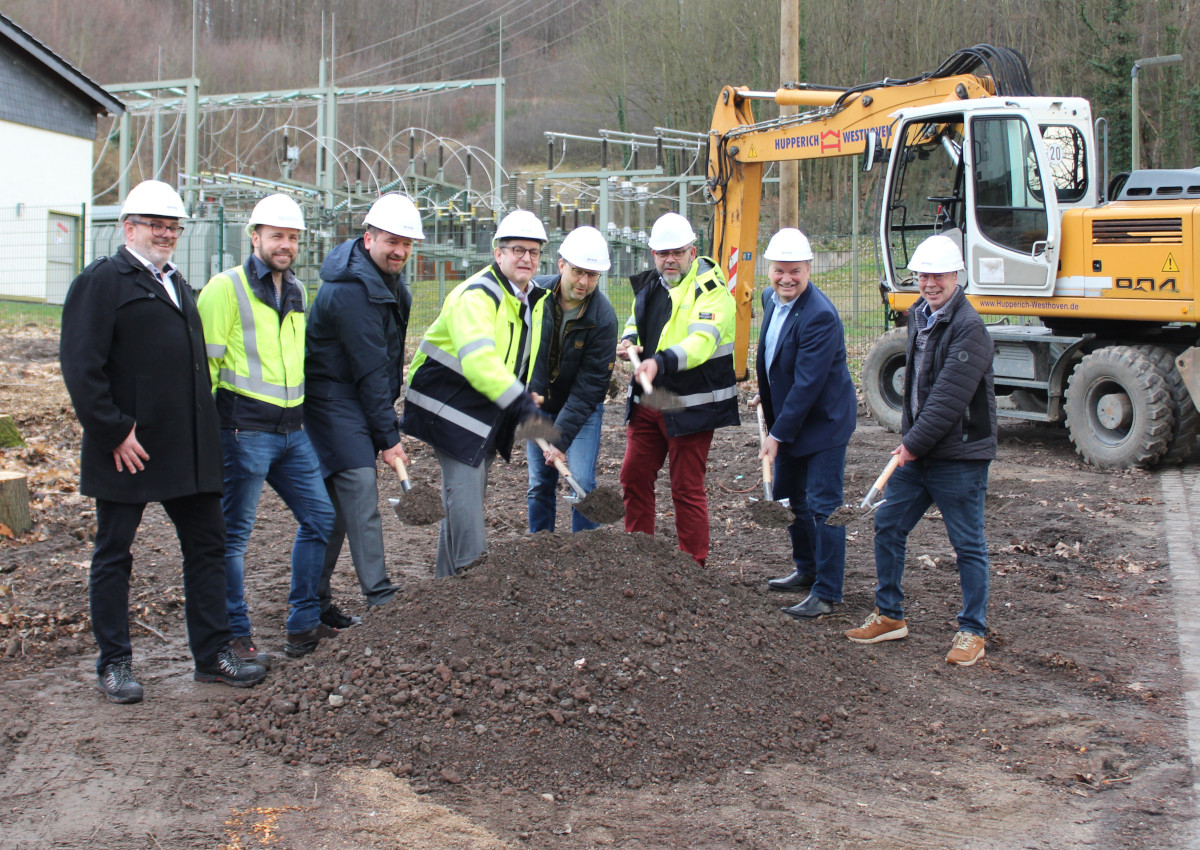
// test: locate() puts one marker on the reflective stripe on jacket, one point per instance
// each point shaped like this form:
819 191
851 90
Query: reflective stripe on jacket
464 377
253 351
694 350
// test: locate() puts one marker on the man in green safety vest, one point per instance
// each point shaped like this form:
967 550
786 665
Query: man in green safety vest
467 393
254 327
682 323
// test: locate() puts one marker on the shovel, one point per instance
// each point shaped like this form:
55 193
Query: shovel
848 513
419 507
659 399
602 505
768 513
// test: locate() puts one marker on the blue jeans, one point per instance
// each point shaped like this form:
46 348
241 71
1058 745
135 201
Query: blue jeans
957 487
288 463
543 478
813 484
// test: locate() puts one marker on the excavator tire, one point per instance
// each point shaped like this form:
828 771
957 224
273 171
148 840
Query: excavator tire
883 378
1187 418
1119 408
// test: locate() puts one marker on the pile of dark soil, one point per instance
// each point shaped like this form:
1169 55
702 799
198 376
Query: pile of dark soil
559 663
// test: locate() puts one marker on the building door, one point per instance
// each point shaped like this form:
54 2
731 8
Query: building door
62 255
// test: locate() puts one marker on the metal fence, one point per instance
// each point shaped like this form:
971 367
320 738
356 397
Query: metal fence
45 247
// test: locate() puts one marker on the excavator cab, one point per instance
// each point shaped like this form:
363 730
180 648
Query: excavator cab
977 174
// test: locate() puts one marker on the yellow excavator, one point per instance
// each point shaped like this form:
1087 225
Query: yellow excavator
972 153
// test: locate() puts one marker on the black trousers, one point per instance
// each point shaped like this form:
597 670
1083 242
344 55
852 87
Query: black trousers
200 527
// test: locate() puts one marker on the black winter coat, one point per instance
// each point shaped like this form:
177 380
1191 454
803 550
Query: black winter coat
576 381
354 359
956 417
130 358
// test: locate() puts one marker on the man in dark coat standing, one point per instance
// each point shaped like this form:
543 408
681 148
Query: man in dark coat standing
354 372
571 368
810 409
949 427
133 359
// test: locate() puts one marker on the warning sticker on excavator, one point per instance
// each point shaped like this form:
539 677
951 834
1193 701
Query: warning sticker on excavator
1170 265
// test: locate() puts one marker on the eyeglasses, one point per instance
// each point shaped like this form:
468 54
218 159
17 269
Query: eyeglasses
159 229
583 275
675 254
520 251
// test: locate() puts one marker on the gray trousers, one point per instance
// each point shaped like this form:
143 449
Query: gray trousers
355 497
462 537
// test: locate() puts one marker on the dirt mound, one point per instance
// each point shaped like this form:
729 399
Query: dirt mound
562 663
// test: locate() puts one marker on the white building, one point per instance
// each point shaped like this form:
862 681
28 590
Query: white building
48 111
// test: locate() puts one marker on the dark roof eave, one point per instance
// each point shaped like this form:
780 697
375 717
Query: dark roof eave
71 75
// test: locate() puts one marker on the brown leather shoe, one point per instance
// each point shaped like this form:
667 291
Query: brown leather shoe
966 650
300 644
244 648
878 628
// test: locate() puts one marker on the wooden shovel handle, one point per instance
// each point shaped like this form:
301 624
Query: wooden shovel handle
768 473
402 474
559 463
637 362
881 481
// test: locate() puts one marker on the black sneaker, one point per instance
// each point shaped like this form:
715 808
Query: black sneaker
231 670
335 619
247 651
116 682
300 644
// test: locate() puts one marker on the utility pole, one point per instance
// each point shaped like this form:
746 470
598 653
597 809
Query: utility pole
789 71
1136 117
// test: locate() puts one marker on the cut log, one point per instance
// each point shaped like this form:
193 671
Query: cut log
10 437
14 502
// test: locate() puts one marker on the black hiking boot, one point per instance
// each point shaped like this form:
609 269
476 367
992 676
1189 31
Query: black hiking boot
231 670
116 682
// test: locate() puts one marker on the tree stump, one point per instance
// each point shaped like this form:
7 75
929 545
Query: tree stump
14 502
10 437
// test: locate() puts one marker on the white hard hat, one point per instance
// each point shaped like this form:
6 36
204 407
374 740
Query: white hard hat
396 214
586 248
671 230
521 224
937 255
153 197
788 246
276 211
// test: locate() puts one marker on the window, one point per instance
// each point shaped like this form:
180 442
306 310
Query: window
1010 208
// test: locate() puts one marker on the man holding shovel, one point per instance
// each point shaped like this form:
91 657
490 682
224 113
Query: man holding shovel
683 320
354 367
949 427
575 331
466 395
810 407
254 335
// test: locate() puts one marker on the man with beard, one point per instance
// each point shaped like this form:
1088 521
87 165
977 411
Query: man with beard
466 392
254 334
354 365
132 354
683 324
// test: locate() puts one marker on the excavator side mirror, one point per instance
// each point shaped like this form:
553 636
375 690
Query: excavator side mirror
870 151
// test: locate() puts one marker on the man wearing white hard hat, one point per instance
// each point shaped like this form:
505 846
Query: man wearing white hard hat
133 360
467 392
572 365
810 409
682 324
254 331
949 428
354 372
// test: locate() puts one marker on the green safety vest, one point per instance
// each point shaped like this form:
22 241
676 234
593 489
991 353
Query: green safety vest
251 351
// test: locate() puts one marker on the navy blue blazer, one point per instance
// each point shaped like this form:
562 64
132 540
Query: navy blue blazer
808 398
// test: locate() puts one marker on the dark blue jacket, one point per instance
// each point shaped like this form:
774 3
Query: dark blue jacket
354 359
956 418
808 397
574 379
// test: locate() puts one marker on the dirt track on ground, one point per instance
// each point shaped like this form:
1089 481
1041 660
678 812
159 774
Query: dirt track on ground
701 716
